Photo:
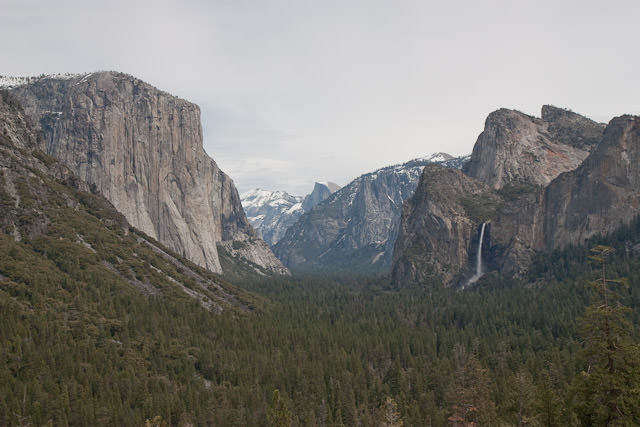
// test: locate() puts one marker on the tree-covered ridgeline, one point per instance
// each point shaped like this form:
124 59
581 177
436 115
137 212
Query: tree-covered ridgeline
80 348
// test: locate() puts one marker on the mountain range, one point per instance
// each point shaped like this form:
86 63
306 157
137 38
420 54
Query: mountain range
354 229
134 289
530 185
273 212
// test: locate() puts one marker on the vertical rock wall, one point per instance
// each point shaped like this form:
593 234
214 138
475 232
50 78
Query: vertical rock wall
142 149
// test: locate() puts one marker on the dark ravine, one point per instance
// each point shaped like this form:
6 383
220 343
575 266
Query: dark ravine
142 149
533 198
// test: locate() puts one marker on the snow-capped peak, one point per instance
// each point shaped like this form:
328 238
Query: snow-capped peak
439 157
259 197
271 212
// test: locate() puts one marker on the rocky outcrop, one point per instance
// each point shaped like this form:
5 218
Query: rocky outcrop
517 148
17 129
440 225
356 227
321 191
142 149
599 196
254 253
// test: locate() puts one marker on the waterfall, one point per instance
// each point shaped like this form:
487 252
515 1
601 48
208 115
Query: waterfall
478 274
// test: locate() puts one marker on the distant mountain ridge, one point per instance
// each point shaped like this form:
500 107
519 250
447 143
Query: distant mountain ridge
354 229
271 213
321 191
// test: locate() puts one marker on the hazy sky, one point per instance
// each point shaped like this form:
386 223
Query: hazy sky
299 91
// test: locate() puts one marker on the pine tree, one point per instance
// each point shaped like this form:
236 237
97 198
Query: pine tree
471 404
521 398
279 414
548 402
390 415
608 387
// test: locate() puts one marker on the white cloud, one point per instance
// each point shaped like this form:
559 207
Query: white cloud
328 90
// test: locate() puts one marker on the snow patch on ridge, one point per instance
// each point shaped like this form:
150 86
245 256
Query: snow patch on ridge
10 82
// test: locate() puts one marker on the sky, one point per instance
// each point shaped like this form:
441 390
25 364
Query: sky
295 91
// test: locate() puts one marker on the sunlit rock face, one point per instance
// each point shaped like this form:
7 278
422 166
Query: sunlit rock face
142 149
515 147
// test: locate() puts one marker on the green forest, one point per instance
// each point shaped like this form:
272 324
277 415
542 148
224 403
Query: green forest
325 351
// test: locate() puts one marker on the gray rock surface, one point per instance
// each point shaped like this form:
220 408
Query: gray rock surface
439 227
436 227
515 147
142 149
601 194
320 192
356 227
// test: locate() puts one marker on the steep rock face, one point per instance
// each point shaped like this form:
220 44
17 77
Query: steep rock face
18 129
355 228
597 197
68 234
601 194
438 226
321 191
517 229
271 212
515 147
524 217
441 225
142 149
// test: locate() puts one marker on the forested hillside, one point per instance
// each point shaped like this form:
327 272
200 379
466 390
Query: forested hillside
339 351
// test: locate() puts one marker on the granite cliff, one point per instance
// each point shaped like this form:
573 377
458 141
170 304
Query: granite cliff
142 149
515 147
436 229
539 184
321 191
55 232
356 227
601 194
